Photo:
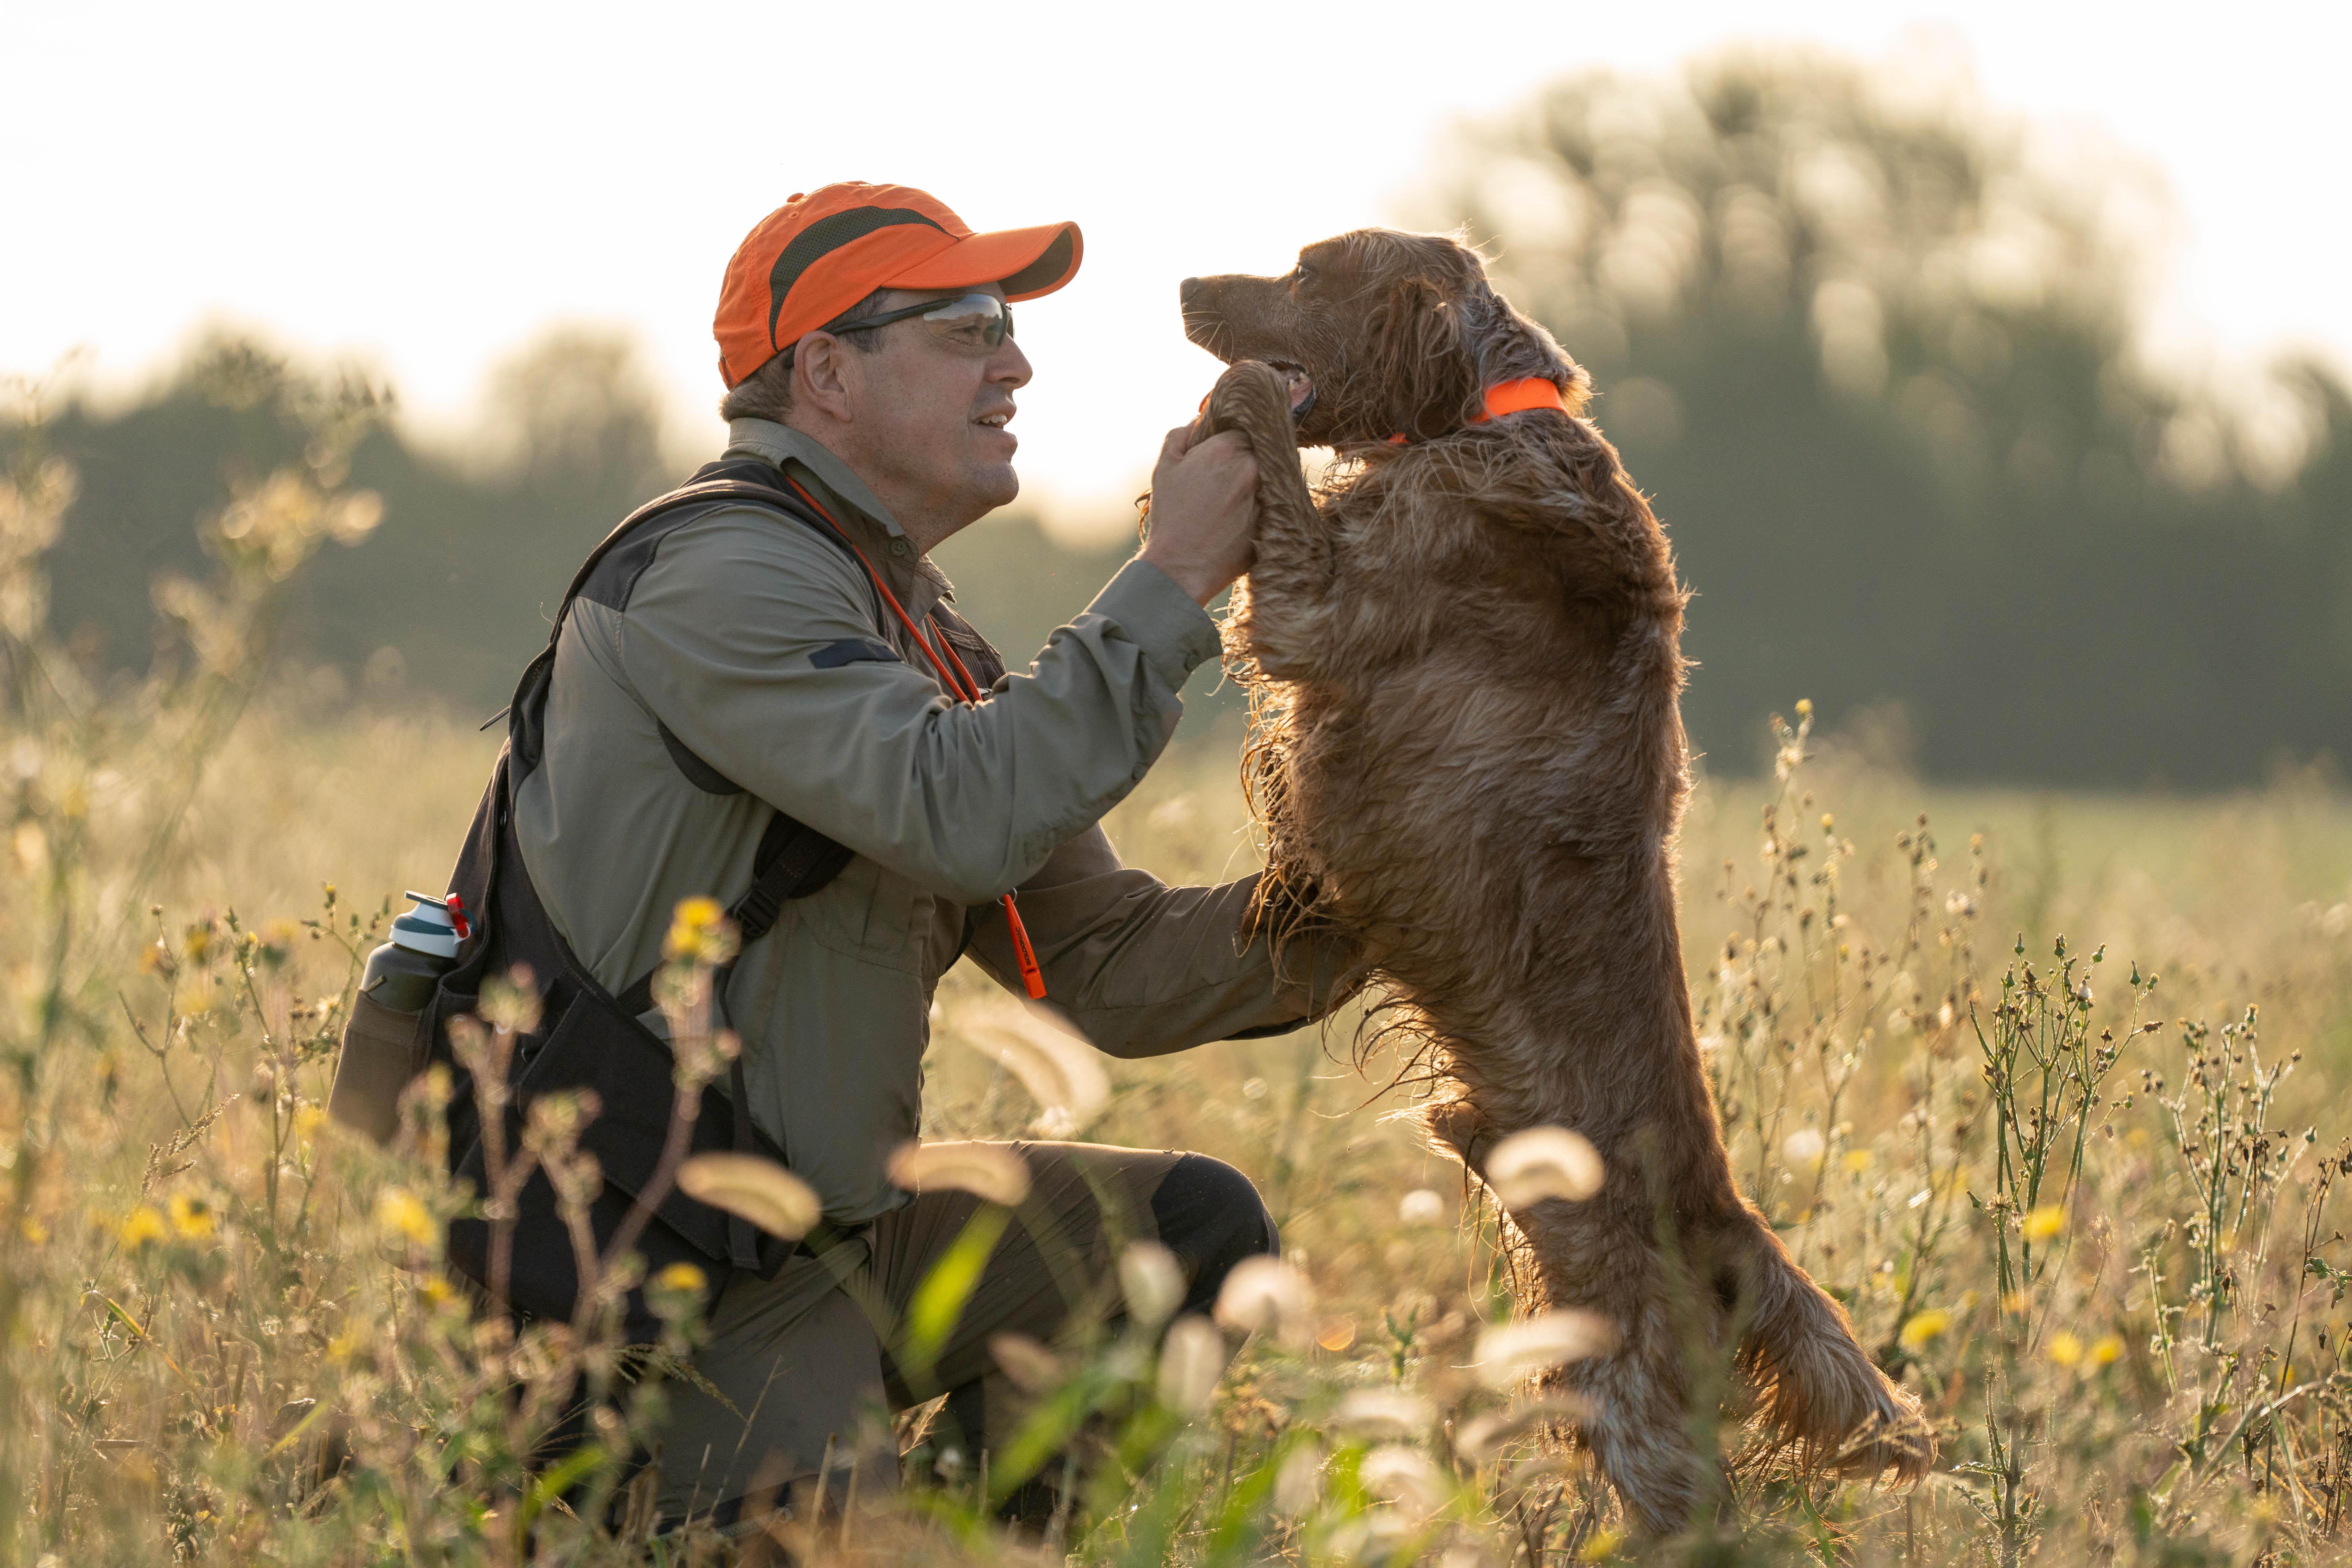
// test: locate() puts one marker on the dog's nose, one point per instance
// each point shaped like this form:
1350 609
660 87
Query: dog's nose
1186 290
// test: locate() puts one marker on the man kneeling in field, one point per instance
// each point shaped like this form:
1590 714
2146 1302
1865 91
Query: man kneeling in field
741 665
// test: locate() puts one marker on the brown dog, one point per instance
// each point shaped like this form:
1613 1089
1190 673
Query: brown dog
1468 753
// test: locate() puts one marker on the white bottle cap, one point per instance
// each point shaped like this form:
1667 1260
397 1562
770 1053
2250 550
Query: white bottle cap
427 928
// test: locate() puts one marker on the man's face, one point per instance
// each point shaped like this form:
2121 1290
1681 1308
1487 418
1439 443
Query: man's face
928 413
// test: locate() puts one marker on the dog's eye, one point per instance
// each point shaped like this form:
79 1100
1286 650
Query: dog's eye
1301 273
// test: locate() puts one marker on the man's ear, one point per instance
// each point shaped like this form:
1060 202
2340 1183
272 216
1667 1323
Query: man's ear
821 376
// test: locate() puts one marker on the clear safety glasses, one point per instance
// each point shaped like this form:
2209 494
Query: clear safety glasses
968 320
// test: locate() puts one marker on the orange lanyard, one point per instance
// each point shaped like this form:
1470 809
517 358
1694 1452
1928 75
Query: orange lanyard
959 683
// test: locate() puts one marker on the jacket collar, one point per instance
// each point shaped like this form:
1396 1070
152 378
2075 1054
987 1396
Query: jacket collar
781 443
912 577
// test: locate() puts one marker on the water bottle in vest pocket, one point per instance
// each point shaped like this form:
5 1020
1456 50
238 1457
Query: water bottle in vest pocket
384 1040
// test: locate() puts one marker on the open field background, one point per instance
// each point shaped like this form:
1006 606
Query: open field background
2167 1386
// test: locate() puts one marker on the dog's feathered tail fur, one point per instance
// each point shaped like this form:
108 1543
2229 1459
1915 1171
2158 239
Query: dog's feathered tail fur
1819 1390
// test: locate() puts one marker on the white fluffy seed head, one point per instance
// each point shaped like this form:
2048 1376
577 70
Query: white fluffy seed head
1404 1479
988 1171
1266 1295
1543 1163
1510 1353
1032 1368
1421 1206
1298 1484
1191 1361
1152 1281
1062 1072
753 1188
1483 1437
1383 1413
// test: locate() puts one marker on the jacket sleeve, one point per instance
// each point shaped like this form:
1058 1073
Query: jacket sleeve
1143 968
754 643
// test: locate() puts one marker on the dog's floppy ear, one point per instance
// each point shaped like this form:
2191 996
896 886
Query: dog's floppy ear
1506 346
1423 359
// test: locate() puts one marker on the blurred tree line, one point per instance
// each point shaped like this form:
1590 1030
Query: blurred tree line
1875 353
451 595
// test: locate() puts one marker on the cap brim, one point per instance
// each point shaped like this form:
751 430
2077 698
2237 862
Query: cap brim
1027 261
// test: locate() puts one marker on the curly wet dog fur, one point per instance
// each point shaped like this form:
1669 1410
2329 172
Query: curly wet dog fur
1468 753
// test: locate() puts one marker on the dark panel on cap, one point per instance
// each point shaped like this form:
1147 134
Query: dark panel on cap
1044 269
821 237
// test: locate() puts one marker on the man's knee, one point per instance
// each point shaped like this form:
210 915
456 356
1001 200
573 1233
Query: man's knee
1211 1217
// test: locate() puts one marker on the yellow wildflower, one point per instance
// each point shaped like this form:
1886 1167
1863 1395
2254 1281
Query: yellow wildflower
2044 1222
32 1230
1599 1545
697 932
1924 1326
1804 707
399 1213
683 1278
139 1227
309 1119
438 1291
2106 1348
1857 1160
191 1217
343 1346
2065 1349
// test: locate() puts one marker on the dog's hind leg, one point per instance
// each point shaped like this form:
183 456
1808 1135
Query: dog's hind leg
1281 621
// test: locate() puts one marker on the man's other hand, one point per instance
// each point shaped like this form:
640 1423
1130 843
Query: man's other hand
1203 511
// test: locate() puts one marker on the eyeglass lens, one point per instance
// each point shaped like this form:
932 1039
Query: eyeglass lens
982 321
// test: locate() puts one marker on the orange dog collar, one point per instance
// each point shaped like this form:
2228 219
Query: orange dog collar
1511 397
1518 396
1503 397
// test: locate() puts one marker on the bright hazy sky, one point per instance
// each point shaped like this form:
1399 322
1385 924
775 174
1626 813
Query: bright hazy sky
426 185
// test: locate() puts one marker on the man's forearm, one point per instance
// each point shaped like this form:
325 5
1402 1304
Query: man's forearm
1141 968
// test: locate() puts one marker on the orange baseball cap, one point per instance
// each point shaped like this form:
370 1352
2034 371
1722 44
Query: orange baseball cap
824 250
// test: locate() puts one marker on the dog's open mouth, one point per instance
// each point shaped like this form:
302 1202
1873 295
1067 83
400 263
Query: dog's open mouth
1298 384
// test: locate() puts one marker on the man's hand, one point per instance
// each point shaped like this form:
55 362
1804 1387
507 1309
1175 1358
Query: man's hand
1203 511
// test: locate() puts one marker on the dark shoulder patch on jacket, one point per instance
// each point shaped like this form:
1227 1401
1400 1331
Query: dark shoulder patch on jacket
614 576
854 650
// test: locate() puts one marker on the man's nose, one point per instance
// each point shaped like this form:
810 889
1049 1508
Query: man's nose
1010 364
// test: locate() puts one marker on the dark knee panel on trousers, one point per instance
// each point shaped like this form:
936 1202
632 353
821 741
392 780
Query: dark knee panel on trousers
1211 1217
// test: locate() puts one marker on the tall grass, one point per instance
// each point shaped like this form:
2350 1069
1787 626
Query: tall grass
2043 1088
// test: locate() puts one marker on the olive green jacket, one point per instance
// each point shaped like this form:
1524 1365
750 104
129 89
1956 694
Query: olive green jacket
764 649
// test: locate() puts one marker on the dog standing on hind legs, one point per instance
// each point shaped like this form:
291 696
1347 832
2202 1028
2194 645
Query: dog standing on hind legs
1464 660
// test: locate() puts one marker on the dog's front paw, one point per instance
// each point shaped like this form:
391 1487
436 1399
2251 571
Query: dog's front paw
1255 398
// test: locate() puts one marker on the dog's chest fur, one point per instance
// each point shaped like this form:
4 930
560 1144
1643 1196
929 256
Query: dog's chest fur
1492 703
